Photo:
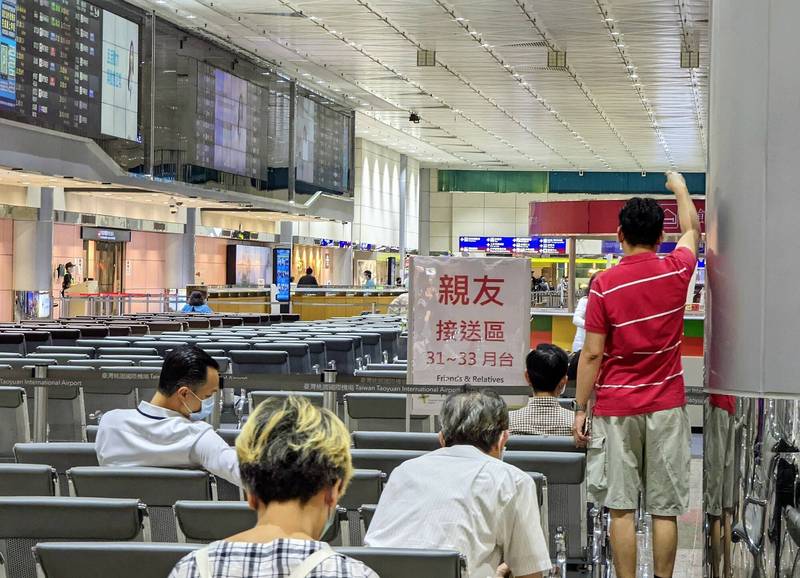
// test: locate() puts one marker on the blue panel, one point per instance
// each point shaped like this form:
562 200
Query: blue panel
625 183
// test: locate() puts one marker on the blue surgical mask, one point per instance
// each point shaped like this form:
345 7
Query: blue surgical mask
206 407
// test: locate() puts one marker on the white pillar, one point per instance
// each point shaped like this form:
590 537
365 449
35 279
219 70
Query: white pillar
753 200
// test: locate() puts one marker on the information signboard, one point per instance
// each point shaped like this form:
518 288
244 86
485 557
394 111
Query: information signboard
513 245
469 320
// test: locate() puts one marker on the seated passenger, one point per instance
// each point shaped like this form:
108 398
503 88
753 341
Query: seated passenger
196 304
547 374
295 463
168 431
463 497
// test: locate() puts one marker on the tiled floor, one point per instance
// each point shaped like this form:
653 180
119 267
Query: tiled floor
689 563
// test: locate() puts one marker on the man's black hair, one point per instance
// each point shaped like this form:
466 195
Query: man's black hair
642 222
186 365
309 270
547 365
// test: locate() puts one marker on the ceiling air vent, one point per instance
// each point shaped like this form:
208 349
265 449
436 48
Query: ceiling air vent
159 227
88 219
426 58
556 59
690 58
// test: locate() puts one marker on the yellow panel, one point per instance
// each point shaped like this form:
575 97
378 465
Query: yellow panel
563 332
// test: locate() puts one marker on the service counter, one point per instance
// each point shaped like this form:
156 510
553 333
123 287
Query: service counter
235 299
313 303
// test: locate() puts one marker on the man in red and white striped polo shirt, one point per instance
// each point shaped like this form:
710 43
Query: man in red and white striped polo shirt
640 433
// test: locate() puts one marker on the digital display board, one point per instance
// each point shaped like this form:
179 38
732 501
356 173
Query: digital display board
98 234
615 248
323 145
283 273
231 123
248 265
70 66
512 245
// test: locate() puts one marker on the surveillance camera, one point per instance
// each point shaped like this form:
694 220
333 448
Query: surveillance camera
414 117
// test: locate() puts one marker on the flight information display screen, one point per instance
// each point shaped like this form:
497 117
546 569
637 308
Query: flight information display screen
323 145
70 66
512 245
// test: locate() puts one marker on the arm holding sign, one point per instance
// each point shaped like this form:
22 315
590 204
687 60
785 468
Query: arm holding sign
597 327
687 212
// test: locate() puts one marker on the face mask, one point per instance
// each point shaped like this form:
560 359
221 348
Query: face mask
206 407
329 524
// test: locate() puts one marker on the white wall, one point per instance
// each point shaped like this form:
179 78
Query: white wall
377 196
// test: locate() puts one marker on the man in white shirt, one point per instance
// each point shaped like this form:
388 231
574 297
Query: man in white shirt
463 497
169 431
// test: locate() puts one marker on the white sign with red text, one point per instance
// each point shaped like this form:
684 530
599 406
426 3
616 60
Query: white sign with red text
469 320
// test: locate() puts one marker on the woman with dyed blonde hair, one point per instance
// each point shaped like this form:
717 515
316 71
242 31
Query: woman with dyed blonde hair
295 463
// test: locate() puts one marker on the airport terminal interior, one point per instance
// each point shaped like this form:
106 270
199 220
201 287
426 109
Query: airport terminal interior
399 288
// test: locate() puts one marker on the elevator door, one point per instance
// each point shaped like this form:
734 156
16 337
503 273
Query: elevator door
109 259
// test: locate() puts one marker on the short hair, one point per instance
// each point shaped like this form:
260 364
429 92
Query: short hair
368 273
196 299
291 450
547 365
475 418
642 222
186 365
309 270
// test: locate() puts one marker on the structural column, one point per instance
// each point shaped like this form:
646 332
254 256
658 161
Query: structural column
424 211
181 254
403 229
753 202
33 258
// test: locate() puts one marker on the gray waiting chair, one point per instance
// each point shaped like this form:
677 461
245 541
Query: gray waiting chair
14 421
159 488
204 521
371 346
161 347
566 493
117 559
263 362
341 352
382 460
390 440
382 412
299 356
139 350
226 346
526 443
28 480
88 351
97 343
402 563
365 488
64 337
255 398
101 362
61 358
108 395
25 521
59 455
13 343
66 414
367 512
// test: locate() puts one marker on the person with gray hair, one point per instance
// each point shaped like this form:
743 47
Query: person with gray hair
464 497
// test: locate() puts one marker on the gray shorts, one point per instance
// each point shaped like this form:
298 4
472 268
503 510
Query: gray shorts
649 452
719 436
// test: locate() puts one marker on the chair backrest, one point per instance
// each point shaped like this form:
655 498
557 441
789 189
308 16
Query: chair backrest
94 332
382 460
161 326
229 435
299 356
159 488
402 563
101 362
64 337
256 397
526 443
267 362
367 512
138 350
117 559
204 521
317 352
161 347
61 358
60 455
380 412
24 521
13 342
342 351
390 440
96 343
119 330
77 350
14 420
28 480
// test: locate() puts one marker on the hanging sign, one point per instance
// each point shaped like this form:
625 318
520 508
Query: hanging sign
469 320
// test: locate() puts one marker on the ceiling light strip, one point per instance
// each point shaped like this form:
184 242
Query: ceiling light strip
578 81
688 41
489 49
475 89
360 49
616 37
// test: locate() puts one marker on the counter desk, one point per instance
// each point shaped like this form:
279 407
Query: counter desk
313 303
235 299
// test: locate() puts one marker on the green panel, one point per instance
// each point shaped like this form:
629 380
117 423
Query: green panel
693 327
493 181
542 323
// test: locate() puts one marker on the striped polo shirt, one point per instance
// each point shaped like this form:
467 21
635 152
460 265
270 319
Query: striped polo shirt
639 306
